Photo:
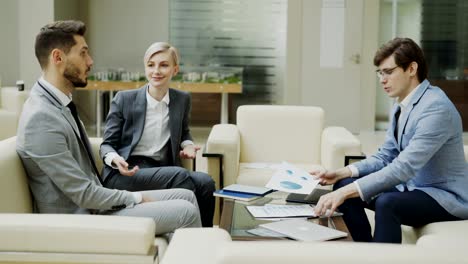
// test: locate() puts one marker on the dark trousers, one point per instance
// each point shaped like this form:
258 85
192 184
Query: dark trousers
154 175
392 209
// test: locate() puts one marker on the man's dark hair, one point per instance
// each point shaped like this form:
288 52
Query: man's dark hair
405 51
57 35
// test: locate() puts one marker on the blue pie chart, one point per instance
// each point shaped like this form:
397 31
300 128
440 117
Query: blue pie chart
290 185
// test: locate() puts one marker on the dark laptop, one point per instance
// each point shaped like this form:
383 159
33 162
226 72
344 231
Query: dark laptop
311 198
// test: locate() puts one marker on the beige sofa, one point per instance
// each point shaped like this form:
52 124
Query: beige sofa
208 246
44 238
11 105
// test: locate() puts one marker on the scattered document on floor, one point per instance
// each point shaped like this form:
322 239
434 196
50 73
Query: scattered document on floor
291 179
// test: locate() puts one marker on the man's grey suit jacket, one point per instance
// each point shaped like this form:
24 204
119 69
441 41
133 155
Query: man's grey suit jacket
126 121
60 173
428 154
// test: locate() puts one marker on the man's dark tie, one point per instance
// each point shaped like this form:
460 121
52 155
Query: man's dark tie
397 116
74 112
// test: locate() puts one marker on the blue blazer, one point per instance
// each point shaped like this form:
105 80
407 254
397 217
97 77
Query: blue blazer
126 121
427 156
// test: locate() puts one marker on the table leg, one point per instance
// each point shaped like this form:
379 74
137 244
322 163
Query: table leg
224 108
98 113
111 96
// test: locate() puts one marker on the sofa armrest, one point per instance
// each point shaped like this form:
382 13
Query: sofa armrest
195 245
64 233
349 159
12 99
338 142
223 151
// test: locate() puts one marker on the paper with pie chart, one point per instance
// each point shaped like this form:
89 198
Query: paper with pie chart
291 179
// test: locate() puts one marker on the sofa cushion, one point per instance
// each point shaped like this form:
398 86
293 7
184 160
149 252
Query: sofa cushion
447 235
76 233
448 227
276 133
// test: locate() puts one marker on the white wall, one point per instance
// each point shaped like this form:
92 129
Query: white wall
9 52
120 31
66 9
369 85
32 15
302 33
408 25
293 80
20 21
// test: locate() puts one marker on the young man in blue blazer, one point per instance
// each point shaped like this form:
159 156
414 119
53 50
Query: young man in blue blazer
419 175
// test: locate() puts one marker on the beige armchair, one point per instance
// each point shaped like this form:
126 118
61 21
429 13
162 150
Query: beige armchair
267 134
11 105
57 238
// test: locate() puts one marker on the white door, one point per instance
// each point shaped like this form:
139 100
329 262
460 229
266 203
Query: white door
328 82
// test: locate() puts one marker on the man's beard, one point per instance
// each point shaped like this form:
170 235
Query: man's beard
72 74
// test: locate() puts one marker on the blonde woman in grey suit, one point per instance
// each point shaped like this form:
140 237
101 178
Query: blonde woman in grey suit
147 133
55 150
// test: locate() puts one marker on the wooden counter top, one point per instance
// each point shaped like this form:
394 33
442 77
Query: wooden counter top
189 87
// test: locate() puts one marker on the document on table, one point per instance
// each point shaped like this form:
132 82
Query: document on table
283 211
291 179
278 210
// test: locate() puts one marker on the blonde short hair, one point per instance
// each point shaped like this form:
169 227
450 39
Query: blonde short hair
158 47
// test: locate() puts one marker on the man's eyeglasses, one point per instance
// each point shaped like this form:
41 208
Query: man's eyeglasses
384 73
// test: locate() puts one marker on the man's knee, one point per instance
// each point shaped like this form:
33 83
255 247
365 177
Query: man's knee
207 180
386 202
189 214
185 194
182 179
342 183
203 181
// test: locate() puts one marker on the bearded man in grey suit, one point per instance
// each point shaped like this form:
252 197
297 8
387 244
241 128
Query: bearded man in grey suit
55 149
147 133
